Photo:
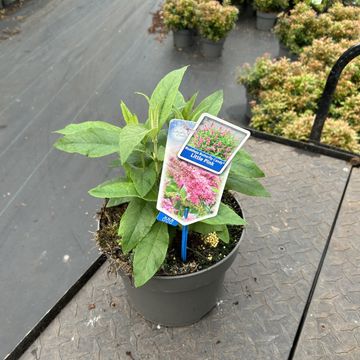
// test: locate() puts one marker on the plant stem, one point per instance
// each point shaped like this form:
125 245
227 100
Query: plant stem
143 161
155 142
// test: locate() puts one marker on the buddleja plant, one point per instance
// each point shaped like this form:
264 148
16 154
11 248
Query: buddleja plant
140 148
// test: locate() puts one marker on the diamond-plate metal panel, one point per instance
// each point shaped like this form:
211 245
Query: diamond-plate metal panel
265 290
332 327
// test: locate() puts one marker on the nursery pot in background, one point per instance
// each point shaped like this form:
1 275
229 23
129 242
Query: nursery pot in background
211 49
180 300
265 21
7 2
285 52
183 38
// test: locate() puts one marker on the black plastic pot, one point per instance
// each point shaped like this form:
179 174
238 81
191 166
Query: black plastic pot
183 39
265 21
180 300
211 49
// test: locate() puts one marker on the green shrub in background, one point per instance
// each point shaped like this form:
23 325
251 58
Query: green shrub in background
179 14
287 93
303 25
271 6
214 21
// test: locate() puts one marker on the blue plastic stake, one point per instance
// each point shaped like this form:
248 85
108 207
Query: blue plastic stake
184 236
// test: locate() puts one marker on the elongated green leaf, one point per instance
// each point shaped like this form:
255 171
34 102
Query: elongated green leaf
117 201
223 234
243 165
211 105
86 125
128 116
225 216
144 95
152 195
115 188
179 100
143 179
136 222
177 113
165 94
203 228
93 142
246 186
130 137
188 107
150 253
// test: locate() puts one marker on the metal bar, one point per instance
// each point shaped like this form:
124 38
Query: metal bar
327 95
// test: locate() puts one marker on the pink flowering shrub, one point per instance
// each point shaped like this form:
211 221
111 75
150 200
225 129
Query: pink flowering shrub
215 141
189 186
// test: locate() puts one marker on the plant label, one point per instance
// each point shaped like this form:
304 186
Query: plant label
187 193
166 219
213 143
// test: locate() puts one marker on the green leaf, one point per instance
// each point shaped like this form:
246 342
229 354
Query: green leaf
211 105
86 125
161 153
128 116
115 188
136 222
144 95
150 253
117 201
187 110
246 186
143 179
203 228
179 102
92 142
243 165
152 195
223 234
177 113
130 137
225 216
165 94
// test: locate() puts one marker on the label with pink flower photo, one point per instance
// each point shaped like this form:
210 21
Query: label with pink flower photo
213 143
187 192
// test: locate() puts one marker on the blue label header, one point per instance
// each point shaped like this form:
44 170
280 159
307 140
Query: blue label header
166 219
202 158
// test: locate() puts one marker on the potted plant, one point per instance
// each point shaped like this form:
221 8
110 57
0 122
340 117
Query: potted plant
267 11
214 21
178 16
303 25
160 286
287 94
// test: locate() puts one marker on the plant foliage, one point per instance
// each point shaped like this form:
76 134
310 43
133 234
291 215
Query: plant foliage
140 150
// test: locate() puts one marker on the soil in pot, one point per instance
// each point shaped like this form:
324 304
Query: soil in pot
201 254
